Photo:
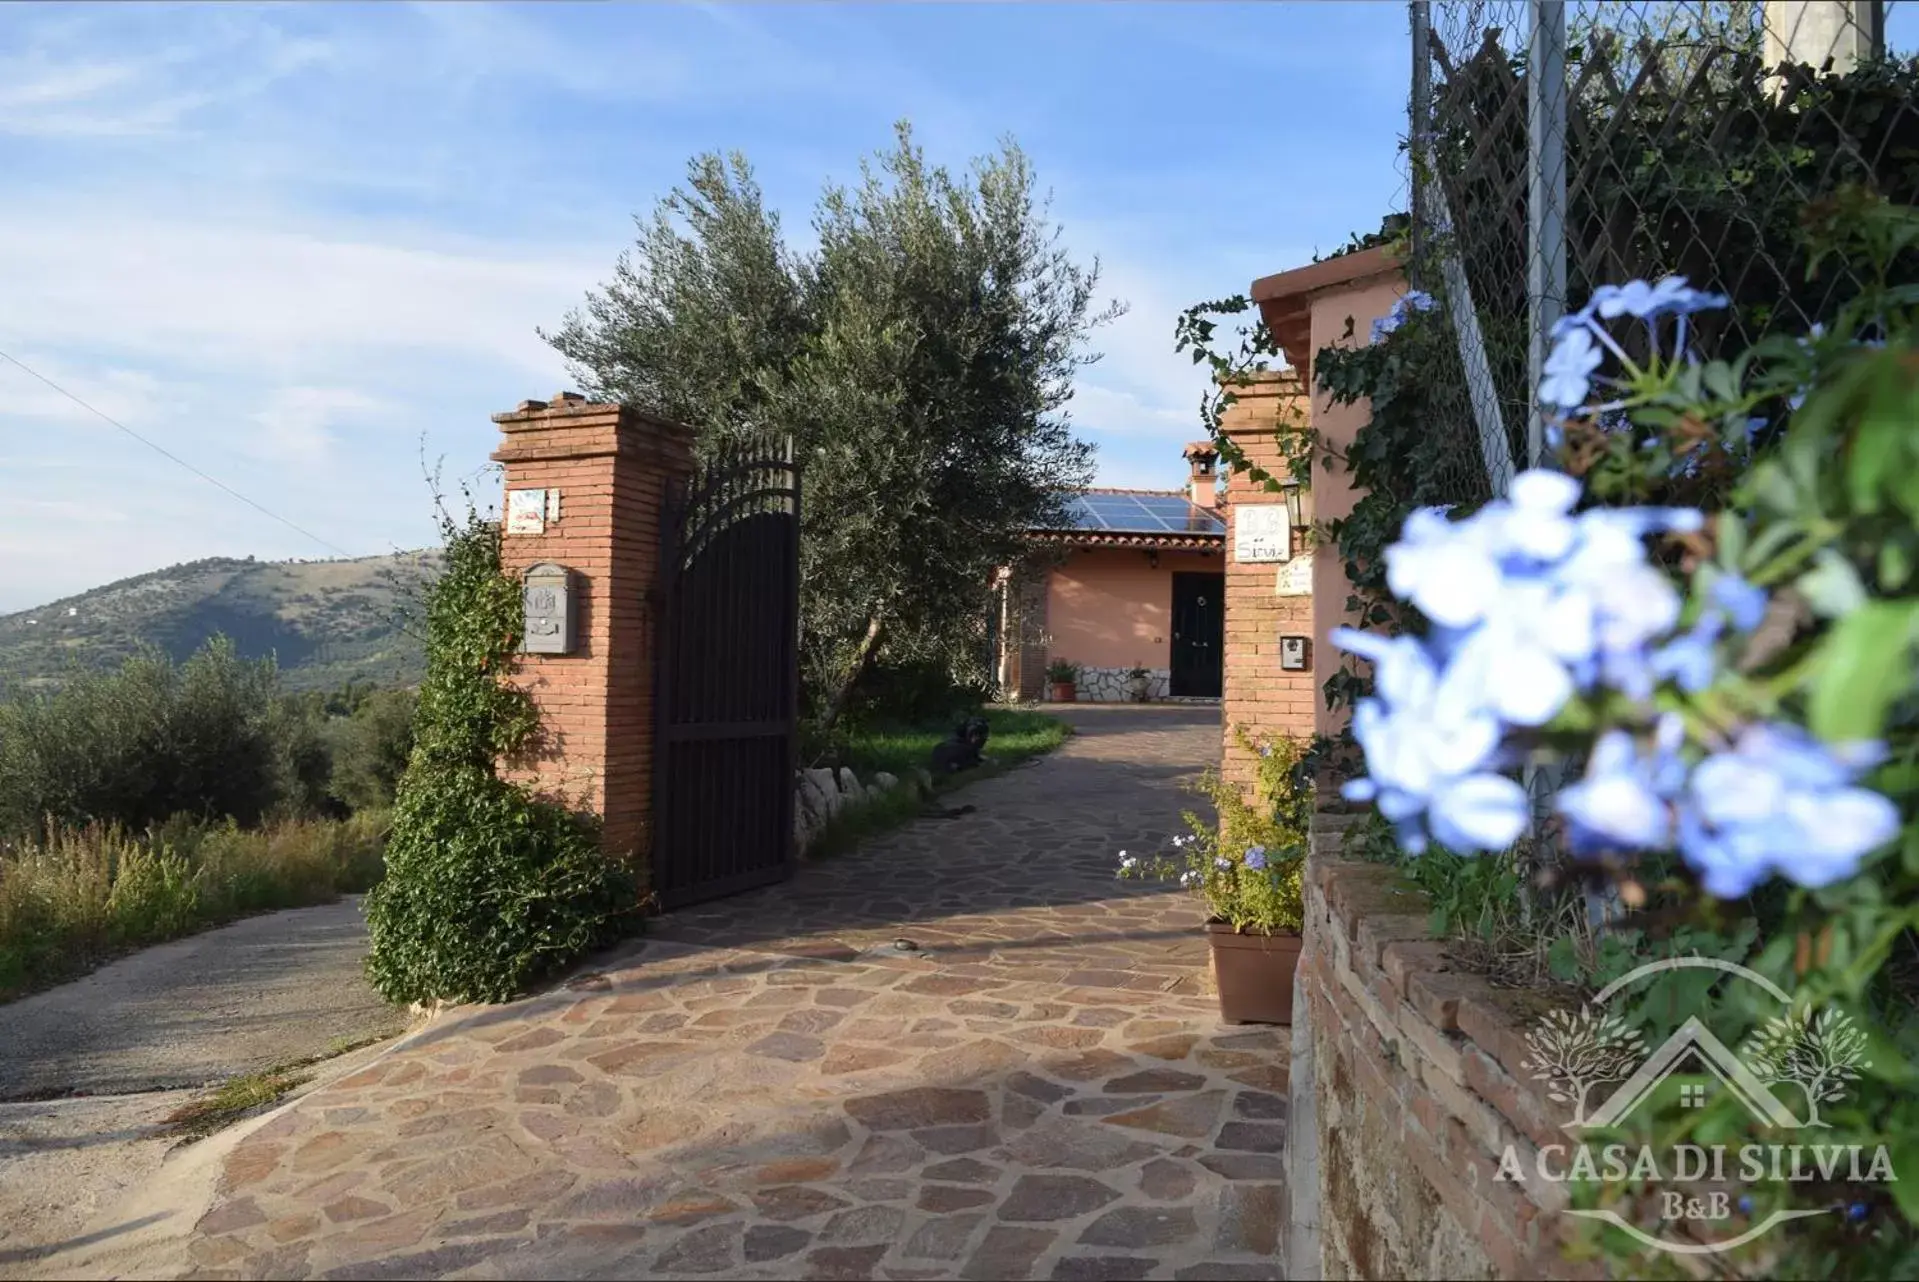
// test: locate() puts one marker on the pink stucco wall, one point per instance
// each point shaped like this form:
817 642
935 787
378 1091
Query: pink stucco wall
1333 495
1110 608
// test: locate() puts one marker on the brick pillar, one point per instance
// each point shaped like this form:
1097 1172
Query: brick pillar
1258 696
1308 309
610 465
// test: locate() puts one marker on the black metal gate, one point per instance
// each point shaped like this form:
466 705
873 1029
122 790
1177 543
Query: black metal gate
727 698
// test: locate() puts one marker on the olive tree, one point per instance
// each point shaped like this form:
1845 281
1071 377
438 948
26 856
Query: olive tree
921 353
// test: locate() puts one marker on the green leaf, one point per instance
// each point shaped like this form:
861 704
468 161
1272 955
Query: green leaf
1717 377
1905 1187
1832 587
1895 564
1772 487
1732 540
1864 665
1879 446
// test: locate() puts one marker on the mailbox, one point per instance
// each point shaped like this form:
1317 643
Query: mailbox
1295 654
548 627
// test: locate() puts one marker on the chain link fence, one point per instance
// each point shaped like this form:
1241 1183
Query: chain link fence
1554 147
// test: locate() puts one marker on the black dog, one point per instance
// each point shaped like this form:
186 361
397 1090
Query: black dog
962 751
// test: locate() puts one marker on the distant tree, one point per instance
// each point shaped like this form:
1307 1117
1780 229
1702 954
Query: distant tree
370 747
145 742
921 356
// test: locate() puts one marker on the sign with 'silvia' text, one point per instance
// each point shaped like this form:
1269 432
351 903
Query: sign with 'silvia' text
526 512
1262 532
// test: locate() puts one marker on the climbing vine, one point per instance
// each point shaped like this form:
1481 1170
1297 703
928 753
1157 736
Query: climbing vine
487 886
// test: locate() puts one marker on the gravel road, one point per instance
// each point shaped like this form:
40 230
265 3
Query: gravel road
260 992
89 1070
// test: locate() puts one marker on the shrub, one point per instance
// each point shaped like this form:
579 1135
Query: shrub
1248 865
487 887
144 742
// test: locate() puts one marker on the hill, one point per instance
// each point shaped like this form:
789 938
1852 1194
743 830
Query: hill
326 622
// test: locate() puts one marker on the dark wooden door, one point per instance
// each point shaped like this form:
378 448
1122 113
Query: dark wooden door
728 678
1199 635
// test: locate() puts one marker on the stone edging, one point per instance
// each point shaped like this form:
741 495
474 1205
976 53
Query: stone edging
1418 1088
820 794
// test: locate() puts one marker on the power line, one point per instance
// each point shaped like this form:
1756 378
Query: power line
218 484
168 454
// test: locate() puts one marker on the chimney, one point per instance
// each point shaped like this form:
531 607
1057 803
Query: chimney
1203 486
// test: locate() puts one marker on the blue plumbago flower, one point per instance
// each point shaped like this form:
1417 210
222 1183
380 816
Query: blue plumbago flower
1531 603
1742 603
1256 857
1577 336
1780 802
1429 749
1625 801
1669 296
1189 879
1569 369
1414 301
1691 661
1222 863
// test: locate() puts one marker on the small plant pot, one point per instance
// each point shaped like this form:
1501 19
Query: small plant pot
1142 690
1063 692
1254 974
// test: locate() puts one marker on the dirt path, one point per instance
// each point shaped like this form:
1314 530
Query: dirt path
261 992
89 1069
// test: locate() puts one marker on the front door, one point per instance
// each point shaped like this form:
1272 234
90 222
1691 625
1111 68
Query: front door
1199 634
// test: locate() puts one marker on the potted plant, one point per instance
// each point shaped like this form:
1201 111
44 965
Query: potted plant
1139 683
1062 676
1249 870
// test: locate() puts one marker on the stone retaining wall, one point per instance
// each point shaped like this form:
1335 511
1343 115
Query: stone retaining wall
1413 1088
1115 685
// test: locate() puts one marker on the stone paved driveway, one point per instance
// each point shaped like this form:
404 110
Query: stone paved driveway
1044 1091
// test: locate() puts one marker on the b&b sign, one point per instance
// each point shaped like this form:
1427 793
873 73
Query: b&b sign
1262 532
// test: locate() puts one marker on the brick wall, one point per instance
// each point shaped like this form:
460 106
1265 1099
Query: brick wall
611 465
1256 694
1418 1087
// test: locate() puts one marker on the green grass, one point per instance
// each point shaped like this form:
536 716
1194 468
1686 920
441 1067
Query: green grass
1017 737
200 1118
79 897
251 1093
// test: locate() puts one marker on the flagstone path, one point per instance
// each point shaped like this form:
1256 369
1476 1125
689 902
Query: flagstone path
766 1089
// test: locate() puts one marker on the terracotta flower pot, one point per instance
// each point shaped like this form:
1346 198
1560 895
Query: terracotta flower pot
1254 974
1063 692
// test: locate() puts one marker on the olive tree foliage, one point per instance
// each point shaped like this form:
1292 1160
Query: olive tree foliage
921 353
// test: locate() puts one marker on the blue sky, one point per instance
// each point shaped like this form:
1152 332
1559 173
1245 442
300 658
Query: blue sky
287 242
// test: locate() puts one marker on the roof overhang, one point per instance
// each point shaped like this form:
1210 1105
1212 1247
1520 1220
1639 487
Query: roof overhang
1121 539
1285 299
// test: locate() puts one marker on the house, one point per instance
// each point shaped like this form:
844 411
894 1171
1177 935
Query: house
1137 580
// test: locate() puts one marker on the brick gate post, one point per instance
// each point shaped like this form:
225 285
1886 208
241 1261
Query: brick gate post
1265 600
584 490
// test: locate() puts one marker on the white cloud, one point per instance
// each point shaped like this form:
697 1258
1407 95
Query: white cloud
237 295
299 420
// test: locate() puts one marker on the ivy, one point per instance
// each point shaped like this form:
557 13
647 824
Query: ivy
487 887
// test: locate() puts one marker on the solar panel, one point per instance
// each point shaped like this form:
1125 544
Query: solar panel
1140 514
